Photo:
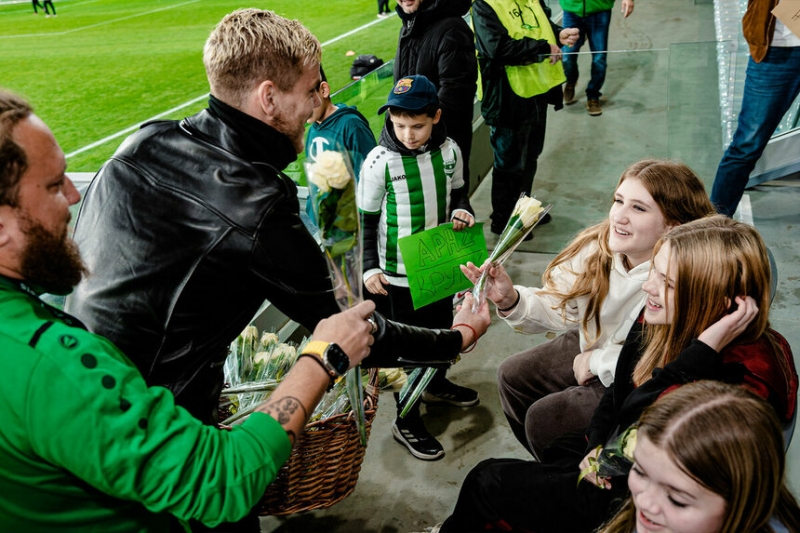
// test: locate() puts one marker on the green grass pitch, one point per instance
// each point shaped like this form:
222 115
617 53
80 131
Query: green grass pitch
103 66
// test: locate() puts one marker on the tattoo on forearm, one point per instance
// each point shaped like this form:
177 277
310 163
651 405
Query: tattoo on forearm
282 409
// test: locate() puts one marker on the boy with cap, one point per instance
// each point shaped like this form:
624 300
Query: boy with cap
412 181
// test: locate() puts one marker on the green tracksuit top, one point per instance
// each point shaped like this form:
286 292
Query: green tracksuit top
85 445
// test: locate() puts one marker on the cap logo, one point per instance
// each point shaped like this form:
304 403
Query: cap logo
403 86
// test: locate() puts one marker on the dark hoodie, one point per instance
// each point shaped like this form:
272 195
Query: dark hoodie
437 43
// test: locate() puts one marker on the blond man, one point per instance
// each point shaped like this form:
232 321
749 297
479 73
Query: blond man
191 225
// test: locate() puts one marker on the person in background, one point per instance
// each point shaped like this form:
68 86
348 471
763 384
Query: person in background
383 9
87 445
518 55
47 3
338 127
709 458
771 85
36 6
592 289
593 19
437 43
706 317
410 183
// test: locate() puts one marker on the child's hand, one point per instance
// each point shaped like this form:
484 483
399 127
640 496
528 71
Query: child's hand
592 477
375 284
462 220
726 329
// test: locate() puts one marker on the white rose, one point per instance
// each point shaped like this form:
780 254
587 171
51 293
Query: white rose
268 339
528 209
330 171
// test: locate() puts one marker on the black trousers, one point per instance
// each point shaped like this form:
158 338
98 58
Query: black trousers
527 496
383 6
399 307
49 3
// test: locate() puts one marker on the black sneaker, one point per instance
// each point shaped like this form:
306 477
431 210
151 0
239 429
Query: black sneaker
445 391
413 434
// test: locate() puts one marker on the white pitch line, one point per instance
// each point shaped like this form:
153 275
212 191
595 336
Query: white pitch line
194 100
134 127
90 26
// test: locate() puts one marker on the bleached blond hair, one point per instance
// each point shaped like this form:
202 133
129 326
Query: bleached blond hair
252 45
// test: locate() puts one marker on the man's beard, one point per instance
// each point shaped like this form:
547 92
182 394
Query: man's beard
290 129
50 261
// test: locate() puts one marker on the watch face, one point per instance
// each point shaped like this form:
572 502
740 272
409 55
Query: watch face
337 359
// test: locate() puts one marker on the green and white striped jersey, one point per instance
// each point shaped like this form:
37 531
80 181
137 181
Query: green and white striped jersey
411 194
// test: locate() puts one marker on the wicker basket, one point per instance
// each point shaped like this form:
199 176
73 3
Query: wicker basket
324 466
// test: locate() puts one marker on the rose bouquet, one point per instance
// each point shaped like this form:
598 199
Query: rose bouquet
332 193
256 365
527 213
615 458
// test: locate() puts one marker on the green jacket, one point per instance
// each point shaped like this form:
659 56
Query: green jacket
586 7
86 445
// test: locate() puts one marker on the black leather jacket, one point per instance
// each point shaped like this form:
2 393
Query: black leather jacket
186 230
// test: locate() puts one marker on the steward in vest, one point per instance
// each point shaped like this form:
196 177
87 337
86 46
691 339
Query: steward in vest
513 41
520 73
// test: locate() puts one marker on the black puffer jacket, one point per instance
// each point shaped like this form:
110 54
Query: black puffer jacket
437 43
186 230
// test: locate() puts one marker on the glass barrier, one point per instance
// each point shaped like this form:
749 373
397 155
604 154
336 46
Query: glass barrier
699 73
368 94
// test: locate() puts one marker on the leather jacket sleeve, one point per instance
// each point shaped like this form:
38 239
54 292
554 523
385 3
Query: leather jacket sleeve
397 345
300 287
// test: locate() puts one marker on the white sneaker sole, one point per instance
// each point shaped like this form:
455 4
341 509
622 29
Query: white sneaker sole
430 398
399 437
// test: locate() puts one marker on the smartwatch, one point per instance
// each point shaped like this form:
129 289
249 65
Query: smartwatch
330 355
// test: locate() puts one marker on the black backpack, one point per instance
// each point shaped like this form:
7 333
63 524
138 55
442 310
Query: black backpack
363 65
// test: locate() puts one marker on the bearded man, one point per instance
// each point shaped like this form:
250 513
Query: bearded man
86 444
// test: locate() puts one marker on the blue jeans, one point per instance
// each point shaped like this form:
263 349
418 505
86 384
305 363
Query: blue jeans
770 87
516 155
595 28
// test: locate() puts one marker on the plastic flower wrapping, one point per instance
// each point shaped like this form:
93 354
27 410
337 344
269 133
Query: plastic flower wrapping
332 194
527 213
332 191
615 458
257 364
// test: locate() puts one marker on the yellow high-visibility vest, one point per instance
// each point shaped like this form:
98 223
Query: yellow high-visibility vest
526 18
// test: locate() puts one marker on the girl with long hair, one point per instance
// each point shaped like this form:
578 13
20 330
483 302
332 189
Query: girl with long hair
706 314
709 458
592 289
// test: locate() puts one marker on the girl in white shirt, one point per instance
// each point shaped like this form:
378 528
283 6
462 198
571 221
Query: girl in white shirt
592 289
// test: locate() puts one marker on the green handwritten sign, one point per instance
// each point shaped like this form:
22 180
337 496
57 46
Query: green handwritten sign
432 260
